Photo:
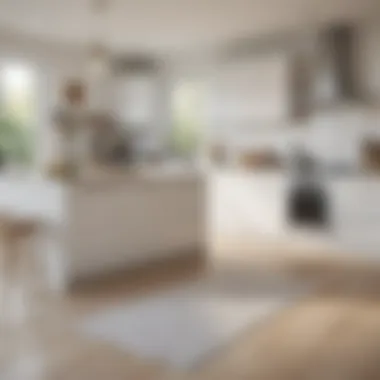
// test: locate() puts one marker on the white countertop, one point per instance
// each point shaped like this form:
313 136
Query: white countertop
102 178
30 195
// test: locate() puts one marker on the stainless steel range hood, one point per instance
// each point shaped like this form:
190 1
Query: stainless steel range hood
337 81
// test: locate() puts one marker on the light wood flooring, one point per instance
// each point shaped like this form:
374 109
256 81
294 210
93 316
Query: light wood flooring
333 334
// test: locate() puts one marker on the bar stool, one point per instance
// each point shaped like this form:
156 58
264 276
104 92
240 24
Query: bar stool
16 240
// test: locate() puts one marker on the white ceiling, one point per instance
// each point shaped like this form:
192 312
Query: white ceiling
167 25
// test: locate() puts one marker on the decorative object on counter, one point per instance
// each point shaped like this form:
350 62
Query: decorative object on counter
371 156
16 142
71 122
111 142
265 159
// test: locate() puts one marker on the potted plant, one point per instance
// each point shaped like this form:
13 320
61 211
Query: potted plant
16 142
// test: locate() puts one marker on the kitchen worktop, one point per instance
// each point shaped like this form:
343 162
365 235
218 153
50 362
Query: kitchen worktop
96 178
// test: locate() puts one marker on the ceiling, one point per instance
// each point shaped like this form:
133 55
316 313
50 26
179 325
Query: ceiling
169 25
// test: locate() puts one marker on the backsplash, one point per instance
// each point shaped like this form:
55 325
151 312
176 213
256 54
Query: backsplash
334 138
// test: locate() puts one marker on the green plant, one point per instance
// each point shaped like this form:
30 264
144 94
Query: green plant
16 141
184 137
187 126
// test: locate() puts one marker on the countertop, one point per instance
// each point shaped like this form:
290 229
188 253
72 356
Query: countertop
103 178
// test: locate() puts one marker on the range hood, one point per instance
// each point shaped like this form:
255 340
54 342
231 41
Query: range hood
336 80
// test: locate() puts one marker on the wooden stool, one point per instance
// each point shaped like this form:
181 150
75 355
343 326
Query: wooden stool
16 240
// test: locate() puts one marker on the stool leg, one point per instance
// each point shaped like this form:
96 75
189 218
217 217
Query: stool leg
20 299
16 302
9 269
16 286
3 282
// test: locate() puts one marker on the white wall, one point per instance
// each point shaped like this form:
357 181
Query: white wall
253 90
53 64
334 136
249 98
370 57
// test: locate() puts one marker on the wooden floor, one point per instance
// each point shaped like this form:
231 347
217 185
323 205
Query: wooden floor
332 334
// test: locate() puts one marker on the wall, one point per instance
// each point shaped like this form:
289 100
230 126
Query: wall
253 91
370 57
347 125
53 64
344 126
261 78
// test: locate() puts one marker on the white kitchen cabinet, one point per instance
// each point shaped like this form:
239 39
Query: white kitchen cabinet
354 206
131 221
356 212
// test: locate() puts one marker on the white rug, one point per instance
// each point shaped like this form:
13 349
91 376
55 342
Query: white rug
185 327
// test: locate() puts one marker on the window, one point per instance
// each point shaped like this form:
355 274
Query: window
187 111
18 106
138 100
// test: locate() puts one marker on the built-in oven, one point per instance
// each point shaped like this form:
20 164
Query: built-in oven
308 200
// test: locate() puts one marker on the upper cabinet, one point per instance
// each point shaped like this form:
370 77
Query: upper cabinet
252 90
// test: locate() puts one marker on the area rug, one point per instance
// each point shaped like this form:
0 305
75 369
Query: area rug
186 327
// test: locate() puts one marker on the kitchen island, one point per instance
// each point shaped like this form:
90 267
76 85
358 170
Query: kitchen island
110 220
118 220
